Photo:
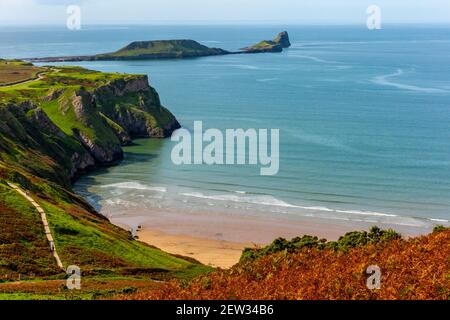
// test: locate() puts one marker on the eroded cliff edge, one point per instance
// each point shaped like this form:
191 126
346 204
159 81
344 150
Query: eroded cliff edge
78 119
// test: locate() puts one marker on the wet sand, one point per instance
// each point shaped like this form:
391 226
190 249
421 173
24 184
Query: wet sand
218 240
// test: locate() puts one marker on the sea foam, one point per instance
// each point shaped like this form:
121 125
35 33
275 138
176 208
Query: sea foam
135 186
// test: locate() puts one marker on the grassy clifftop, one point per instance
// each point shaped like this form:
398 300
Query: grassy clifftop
52 129
76 119
162 49
281 41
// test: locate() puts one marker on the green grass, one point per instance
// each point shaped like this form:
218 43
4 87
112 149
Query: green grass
344 243
38 141
169 48
29 296
264 45
23 245
95 240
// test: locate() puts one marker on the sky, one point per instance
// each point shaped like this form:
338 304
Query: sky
53 12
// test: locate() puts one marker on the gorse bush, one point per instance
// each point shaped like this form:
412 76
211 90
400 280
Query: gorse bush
349 240
439 228
361 238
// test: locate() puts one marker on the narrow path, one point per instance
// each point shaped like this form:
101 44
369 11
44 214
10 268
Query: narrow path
48 233
39 76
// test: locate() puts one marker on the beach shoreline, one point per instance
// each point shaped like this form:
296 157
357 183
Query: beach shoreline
218 239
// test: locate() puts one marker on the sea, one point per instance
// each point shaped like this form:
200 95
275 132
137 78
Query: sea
363 116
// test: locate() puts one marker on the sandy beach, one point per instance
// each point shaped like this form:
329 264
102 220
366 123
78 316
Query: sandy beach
218 239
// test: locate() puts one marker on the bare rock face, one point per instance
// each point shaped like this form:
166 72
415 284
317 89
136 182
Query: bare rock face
283 39
82 103
54 94
81 163
147 118
103 155
106 118
136 85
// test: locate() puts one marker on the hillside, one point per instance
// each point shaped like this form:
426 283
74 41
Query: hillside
52 129
162 49
148 50
308 268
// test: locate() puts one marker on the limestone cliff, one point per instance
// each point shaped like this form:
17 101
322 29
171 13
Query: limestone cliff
72 128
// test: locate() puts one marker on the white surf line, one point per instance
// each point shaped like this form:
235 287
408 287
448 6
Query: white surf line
48 233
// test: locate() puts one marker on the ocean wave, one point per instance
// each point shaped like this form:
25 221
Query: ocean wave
121 202
134 185
266 79
232 65
243 66
316 59
439 220
322 140
260 200
384 80
267 200
367 213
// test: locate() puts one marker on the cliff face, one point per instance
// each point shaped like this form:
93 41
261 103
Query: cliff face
147 118
71 129
283 39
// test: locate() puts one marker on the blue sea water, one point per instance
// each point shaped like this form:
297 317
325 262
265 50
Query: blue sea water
364 119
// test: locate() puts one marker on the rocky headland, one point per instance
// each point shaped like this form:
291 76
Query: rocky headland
277 45
173 49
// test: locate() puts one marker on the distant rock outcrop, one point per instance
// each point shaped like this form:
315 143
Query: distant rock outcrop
173 49
148 50
283 39
276 45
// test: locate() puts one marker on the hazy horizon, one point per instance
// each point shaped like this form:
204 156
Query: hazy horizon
201 12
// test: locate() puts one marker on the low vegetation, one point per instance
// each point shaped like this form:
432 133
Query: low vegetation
13 72
308 268
349 240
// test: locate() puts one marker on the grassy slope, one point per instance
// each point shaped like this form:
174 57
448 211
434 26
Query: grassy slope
82 237
38 160
263 45
17 71
162 47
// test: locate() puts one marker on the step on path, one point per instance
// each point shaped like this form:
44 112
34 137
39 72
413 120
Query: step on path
48 232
